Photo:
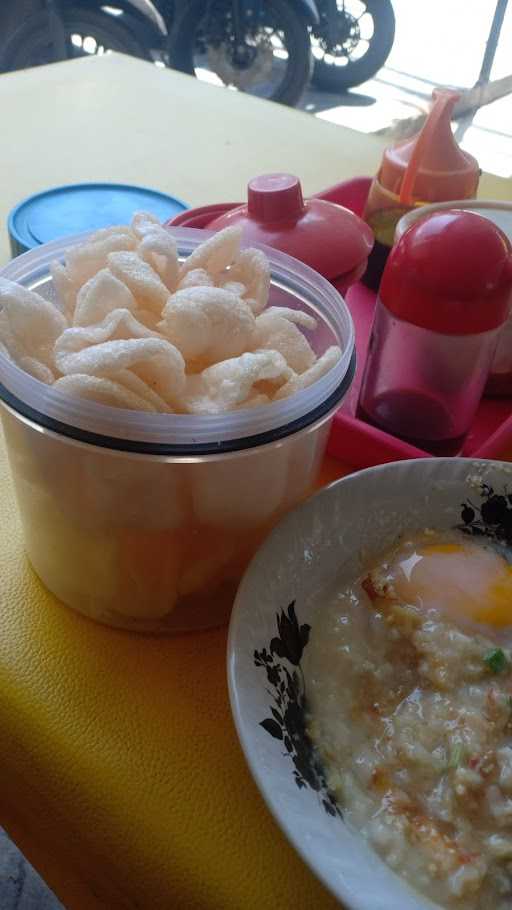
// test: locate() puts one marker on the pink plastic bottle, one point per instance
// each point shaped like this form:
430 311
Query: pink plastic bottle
428 167
444 297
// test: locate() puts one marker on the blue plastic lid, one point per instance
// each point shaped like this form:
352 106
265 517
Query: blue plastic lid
66 210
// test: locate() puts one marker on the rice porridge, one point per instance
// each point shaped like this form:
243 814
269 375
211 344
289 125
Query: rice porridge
409 682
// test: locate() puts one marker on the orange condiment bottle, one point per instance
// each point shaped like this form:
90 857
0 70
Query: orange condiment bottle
428 167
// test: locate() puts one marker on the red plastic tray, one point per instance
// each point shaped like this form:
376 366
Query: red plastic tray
352 440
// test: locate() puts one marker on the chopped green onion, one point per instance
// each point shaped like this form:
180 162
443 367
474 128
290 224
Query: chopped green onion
496 660
456 756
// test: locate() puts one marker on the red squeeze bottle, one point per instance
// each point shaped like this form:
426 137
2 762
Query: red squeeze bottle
428 167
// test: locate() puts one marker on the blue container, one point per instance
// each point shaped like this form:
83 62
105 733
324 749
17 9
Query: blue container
66 210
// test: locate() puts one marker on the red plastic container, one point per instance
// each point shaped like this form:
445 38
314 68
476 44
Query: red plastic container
362 445
437 322
328 237
427 167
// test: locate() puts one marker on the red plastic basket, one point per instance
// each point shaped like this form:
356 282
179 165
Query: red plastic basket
354 441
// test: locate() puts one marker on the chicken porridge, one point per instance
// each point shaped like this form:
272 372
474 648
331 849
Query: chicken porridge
409 680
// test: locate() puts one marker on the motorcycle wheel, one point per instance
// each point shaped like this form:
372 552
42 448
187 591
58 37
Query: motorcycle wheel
278 48
88 32
366 31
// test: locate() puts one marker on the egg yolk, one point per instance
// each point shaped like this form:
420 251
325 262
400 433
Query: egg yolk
463 579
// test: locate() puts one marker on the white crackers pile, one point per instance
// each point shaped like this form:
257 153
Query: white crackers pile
136 329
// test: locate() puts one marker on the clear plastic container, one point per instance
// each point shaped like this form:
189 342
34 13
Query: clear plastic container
424 386
500 213
444 298
147 521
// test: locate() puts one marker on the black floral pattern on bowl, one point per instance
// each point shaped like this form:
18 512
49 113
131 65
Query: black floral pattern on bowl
289 710
492 518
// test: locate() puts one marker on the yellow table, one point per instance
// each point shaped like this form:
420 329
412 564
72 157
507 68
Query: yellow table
120 774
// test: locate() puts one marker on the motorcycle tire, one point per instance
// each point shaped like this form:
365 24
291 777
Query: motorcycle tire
30 44
333 78
296 38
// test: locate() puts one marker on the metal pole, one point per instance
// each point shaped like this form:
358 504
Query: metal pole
487 62
492 41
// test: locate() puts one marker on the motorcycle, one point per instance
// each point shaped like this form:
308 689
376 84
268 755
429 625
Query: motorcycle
271 54
351 42
53 30
259 46
256 46
264 47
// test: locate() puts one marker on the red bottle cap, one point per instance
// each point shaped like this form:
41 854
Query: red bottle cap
275 197
451 272
430 166
324 235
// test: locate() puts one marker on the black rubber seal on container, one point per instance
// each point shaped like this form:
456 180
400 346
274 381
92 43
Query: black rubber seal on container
207 448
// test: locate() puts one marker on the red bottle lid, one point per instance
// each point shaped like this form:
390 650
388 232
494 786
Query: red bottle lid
324 235
451 272
430 166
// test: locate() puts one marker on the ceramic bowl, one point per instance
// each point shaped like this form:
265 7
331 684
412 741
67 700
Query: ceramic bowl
334 535
498 212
